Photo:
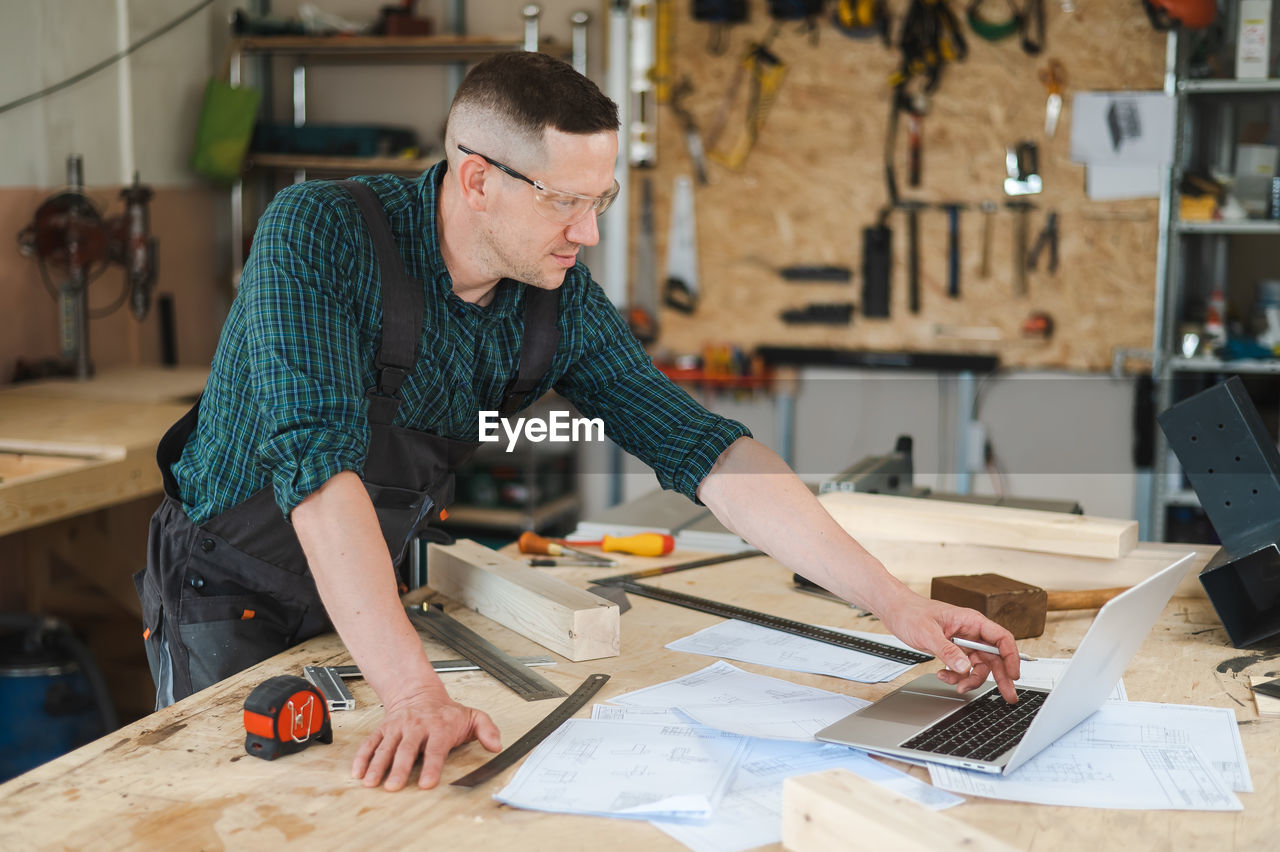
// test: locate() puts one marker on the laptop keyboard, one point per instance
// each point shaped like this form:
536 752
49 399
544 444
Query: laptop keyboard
984 729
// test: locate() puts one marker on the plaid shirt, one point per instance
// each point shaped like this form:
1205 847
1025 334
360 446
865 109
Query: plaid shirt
285 403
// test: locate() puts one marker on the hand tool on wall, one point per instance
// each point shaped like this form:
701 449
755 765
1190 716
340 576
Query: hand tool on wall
692 138
861 19
807 273
680 291
1032 25
578 39
1048 238
988 209
1054 78
719 14
1018 607
642 315
284 714
532 543
640 544
912 209
1021 163
765 72
1021 210
877 260
953 209
643 132
819 313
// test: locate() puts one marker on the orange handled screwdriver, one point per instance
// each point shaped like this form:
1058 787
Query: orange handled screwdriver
531 542
641 544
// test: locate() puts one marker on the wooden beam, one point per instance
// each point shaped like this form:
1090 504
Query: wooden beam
836 809
913 519
570 621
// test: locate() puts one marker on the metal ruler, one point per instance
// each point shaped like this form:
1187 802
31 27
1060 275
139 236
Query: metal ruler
329 679
786 625
524 682
536 734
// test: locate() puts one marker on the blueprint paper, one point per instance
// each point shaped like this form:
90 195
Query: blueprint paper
1045 673
627 769
718 683
751 643
750 814
792 719
1125 756
652 715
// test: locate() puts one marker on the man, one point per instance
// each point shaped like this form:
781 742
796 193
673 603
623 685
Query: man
375 319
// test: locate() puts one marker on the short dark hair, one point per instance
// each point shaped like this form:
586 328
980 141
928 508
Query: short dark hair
536 91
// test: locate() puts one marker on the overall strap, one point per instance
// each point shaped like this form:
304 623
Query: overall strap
402 304
541 337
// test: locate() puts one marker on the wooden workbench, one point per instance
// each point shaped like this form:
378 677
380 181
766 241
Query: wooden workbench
180 778
68 447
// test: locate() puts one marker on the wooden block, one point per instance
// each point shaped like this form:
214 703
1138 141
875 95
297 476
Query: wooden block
1267 705
837 810
1018 607
913 519
570 621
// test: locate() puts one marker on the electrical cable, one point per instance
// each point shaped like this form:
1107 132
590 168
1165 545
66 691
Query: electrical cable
111 60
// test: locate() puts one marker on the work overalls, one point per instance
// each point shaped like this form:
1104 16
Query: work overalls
235 590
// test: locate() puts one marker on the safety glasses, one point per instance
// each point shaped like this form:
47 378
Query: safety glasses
557 205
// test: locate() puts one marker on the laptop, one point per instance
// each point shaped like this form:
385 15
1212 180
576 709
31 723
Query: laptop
927 720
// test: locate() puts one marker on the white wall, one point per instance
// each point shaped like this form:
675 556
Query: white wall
139 113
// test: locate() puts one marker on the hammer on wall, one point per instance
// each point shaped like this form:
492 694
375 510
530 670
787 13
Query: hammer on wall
1018 607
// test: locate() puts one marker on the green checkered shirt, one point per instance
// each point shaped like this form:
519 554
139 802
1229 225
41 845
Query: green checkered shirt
285 403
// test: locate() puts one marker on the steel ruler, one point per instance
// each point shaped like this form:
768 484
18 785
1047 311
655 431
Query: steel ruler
329 679
539 732
520 679
786 625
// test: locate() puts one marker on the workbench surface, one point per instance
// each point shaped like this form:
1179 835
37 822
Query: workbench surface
181 779
68 447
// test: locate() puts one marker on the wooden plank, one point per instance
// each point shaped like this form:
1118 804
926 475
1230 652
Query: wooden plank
835 810
1267 705
570 621
917 564
912 519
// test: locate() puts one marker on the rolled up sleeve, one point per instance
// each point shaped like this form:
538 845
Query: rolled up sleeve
644 412
305 356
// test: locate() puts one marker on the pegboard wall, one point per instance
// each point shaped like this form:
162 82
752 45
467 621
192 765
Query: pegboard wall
815 179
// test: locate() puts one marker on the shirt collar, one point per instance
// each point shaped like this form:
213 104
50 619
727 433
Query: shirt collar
507 295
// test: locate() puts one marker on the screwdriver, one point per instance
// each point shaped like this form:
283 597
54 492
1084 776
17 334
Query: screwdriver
640 544
531 542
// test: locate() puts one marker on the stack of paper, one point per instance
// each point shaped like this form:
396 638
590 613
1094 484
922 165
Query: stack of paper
647 759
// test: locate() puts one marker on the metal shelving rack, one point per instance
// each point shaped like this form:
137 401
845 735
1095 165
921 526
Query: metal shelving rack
1207 241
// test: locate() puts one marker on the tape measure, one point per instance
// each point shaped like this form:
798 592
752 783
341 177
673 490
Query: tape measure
282 715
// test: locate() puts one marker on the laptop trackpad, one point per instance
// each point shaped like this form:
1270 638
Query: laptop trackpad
911 708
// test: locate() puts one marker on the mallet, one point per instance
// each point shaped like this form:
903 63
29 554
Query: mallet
1018 607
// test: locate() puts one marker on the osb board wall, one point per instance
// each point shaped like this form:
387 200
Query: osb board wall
815 179
187 224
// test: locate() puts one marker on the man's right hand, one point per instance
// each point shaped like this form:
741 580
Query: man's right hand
426 724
